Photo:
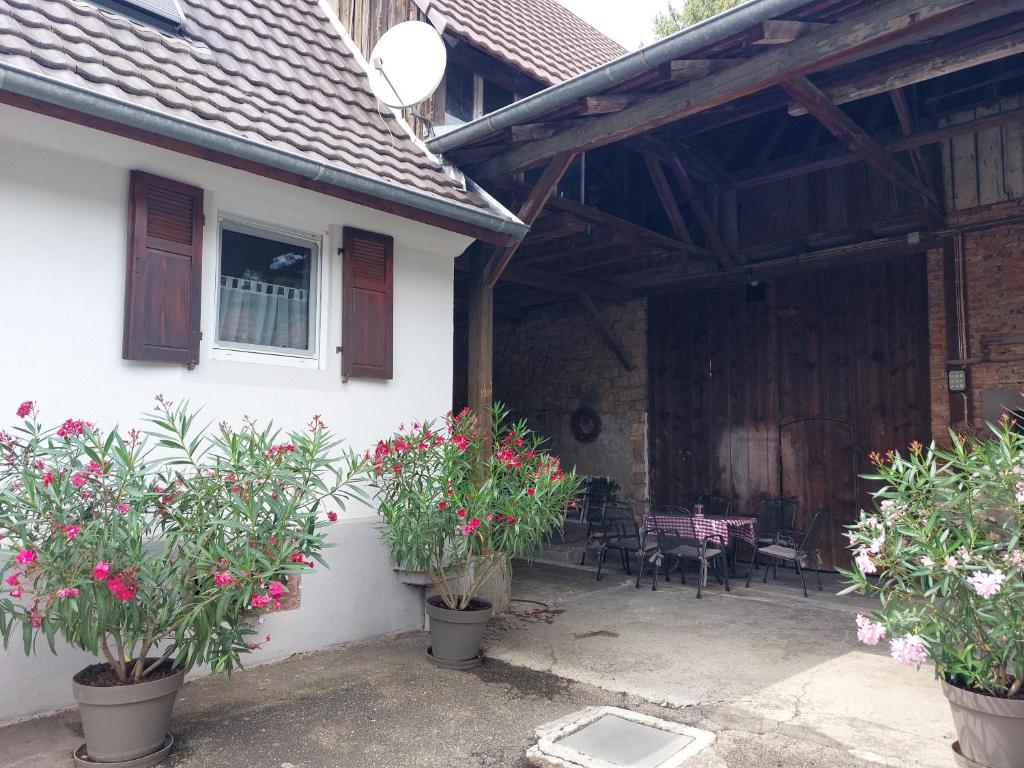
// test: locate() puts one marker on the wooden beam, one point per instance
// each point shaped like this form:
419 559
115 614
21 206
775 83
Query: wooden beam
701 214
906 120
552 281
900 74
481 340
555 226
597 239
606 332
589 213
784 31
530 132
839 124
606 104
529 212
668 200
789 167
684 70
883 25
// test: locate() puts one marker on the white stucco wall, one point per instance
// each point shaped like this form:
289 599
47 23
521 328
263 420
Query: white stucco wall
63 214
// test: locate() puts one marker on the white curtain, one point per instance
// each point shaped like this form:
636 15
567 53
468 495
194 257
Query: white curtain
269 315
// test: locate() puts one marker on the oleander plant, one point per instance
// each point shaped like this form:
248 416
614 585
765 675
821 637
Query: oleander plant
163 546
943 554
460 506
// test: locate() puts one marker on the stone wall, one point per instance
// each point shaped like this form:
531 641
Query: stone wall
555 360
994 276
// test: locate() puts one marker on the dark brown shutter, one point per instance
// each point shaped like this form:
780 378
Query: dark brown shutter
164 271
367 304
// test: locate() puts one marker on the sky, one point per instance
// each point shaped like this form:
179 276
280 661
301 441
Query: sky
627 21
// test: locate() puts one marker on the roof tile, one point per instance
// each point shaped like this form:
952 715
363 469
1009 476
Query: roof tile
540 38
273 71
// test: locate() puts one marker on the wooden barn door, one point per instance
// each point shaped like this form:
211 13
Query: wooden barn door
789 391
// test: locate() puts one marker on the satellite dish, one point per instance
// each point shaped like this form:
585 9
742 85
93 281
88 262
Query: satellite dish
407 64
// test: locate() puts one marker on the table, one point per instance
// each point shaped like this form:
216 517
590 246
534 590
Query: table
715 529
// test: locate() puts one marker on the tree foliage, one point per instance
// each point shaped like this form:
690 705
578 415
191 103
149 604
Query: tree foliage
678 17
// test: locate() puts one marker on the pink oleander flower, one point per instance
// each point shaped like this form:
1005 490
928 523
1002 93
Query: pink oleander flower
869 632
123 507
865 563
223 578
927 562
275 589
36 622
47 479
260 601
332 516
78 479
24 409
122 588
986 584
68 592
73 428
16 593
100 571
1020 493
12 580
951 564
72 531
908 650
24 557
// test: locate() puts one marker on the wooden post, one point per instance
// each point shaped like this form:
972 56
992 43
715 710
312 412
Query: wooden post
481 342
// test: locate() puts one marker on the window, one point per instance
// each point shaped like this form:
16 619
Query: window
160 13
267 291
459 95
468 96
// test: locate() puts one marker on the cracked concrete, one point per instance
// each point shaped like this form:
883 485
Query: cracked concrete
750 661
779 680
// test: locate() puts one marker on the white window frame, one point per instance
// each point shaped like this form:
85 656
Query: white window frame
312 359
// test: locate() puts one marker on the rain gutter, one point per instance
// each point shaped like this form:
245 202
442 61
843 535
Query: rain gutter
616 72
55 92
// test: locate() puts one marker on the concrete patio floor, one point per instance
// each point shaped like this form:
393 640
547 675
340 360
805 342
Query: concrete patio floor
781 681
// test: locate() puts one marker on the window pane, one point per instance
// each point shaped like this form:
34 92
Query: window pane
458 95
495 97
266 292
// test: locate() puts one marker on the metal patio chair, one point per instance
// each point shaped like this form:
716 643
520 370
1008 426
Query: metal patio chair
680 544
615 531
799 553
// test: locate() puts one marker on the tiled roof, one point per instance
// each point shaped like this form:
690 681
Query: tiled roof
270 71
540 38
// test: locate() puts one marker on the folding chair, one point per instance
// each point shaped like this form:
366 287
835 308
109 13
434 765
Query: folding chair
798 553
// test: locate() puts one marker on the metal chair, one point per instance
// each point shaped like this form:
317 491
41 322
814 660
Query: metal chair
618 531
798 553
683 543
776 518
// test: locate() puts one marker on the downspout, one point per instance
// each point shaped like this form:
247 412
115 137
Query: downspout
620 70
52 91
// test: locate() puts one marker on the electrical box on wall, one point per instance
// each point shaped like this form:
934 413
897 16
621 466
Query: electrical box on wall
958 380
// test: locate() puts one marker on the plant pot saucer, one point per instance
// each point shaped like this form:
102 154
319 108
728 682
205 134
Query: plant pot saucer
962 760
82 758
445 664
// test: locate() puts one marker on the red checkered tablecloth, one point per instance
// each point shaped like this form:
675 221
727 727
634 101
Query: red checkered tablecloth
714 529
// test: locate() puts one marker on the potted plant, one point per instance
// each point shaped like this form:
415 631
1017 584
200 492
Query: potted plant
943 552
157 552
459 507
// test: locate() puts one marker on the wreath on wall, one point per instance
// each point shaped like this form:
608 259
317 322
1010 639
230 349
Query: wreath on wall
585 424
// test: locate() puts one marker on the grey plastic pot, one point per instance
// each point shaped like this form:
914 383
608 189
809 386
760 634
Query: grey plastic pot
125 722
990 730
455 636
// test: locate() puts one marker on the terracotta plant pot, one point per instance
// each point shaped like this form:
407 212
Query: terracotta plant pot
455 636
990 730
123 723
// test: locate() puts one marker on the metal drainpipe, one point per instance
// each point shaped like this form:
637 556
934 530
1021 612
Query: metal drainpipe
624 68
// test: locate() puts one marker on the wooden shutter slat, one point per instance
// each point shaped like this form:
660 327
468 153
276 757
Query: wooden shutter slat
164 270
367 304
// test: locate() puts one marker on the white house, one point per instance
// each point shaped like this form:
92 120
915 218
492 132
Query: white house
215 208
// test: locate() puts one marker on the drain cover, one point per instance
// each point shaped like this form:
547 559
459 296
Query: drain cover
609 737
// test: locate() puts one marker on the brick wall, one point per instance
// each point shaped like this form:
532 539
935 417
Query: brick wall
995 313
555 360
